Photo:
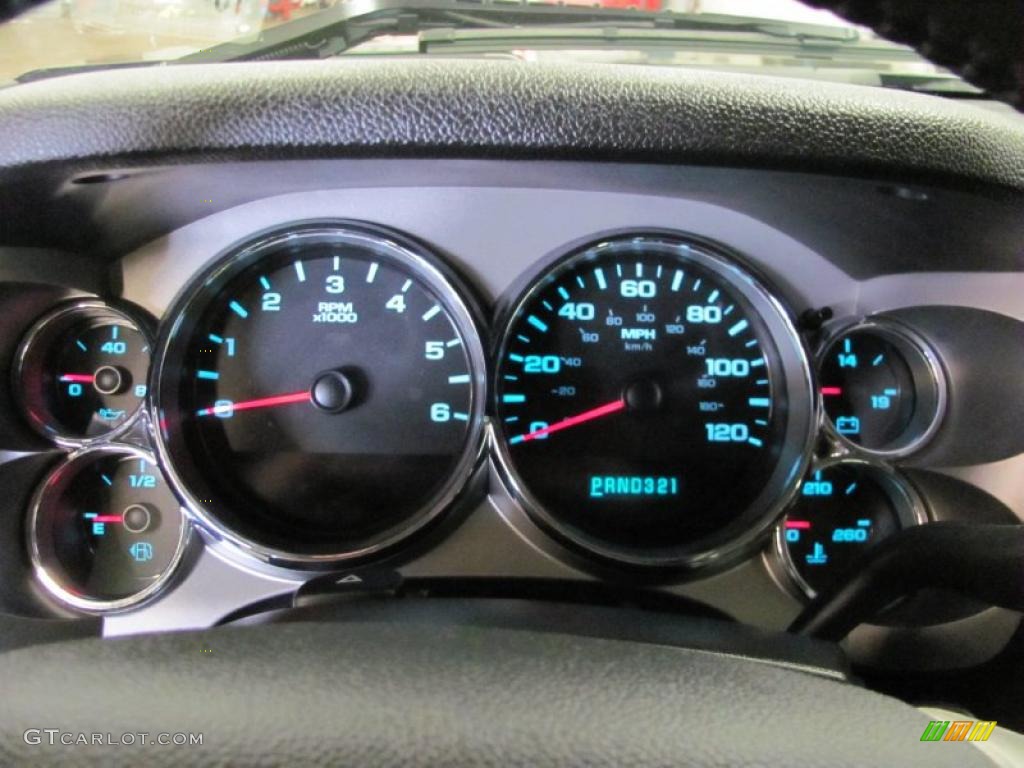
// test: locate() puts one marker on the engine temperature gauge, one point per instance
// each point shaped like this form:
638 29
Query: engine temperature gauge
105 530
843 509
81 372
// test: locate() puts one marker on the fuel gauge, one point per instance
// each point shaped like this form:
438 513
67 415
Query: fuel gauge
81 372
105 531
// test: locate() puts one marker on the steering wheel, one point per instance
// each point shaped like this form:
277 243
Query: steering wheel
367 691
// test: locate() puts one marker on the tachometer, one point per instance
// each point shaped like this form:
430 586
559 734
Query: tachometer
320 393
653 401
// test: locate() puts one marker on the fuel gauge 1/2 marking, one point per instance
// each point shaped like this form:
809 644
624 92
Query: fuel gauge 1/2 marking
105 531
81 372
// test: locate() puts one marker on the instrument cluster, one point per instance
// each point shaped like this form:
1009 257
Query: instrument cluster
324 393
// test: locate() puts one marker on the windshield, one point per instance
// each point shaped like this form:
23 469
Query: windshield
782 37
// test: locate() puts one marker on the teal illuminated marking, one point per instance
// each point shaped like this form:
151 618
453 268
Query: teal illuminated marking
453 342
696 285
878 360
728 310
751 343
846 346
714 295
265 283
738 328
601 282
511 419
337 263
90 515
759 402
238 309
761 382
658 273
639 269
851 488
755 442
761 422
106 480
677 280
515 358
81 346
216 339
460 416
563 293
300 271
514 399
462 378
371 273
547 306
579 281
890 392
510 377
431 312
864 523
515 440
211 375
537 323
406 285
523 339
756 363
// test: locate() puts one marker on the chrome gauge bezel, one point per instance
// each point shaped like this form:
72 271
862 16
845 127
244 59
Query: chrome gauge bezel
405 253
49 578
745 533
41 333
910 510
929 378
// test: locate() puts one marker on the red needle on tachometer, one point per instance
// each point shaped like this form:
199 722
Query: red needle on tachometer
262 402
80 378
572 421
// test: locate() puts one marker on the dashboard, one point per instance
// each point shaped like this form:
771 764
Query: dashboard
719 385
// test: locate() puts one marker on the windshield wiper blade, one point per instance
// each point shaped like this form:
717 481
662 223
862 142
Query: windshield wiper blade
331 31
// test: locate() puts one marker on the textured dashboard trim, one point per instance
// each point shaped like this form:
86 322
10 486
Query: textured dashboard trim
465 108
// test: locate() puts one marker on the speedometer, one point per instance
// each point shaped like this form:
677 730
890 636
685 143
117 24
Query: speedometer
319 393
653 402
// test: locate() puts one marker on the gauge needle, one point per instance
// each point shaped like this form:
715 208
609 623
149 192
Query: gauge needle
572 421
107 519
831 391
248 405
82 378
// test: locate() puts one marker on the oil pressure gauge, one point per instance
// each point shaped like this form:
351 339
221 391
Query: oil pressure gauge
81 371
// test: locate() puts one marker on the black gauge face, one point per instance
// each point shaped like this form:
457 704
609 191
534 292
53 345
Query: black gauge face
641 399
106 530
877 389
82 372
842 510
321 393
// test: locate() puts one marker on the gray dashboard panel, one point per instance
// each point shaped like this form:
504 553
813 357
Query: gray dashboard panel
496 233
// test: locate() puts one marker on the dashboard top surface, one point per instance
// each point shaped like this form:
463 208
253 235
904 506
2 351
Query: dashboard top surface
501 109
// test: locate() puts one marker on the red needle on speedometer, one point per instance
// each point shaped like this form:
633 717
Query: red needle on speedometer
262 402
572 421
